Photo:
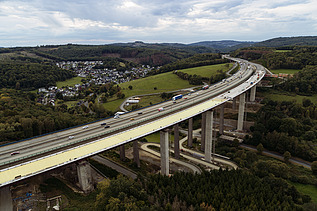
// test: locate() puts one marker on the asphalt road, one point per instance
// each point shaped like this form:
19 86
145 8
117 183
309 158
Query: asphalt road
278 156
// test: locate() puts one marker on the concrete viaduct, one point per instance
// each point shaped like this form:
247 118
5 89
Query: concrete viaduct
231 88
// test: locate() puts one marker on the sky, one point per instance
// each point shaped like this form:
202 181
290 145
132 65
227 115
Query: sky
46 22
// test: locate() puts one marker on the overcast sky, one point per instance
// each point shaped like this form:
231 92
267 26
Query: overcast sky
43 22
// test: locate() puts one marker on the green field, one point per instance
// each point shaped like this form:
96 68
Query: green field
147 100
163 82
310 190
70 103
287 71
207 71
113 105
282 51
289 97
69 82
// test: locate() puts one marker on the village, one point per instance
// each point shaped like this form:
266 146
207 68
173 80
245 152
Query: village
91 76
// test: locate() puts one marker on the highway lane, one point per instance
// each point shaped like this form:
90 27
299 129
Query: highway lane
27 148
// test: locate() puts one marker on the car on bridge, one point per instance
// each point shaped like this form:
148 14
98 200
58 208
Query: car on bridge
15 153
103 124
71 137
85 127
107 126
161 109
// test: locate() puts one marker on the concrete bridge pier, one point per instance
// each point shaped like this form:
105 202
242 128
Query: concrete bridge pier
190 132
164 152
252 94
221 119
122 153
241 112
5 198
208 135
176 141
234 103
203 131
84 176
136 156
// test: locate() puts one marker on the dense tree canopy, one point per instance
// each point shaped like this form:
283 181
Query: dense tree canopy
287 126
296 57
215 190
31 75
21 117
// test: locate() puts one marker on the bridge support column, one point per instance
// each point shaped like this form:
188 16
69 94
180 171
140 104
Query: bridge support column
164 152
136 156
252 94
122 153
208 135
203 131
176 141
5 198
190 133
241 111
84 176
221 119
234 103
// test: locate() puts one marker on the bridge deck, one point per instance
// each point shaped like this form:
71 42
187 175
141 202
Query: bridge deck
50 162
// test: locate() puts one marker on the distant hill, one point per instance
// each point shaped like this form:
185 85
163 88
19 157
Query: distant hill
223 45
288 41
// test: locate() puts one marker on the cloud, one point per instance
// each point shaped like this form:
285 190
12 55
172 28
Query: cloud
93 21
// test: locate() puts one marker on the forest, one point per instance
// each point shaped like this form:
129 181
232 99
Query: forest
293 57
214 190
31 75
154 55
288 41
193 61
288 126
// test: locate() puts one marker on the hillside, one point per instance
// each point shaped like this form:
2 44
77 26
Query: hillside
288 41
223 45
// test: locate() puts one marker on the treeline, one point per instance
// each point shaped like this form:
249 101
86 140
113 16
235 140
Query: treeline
194 61
287 126
214 190
198 80
30 75
289 41
192 79
21 117
295 57
154 55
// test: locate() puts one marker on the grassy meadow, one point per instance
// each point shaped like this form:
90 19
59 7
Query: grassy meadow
69 82
286 71
207 71
281 96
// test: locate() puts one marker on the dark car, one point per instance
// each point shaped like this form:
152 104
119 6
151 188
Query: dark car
107 126
103 124
140 113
